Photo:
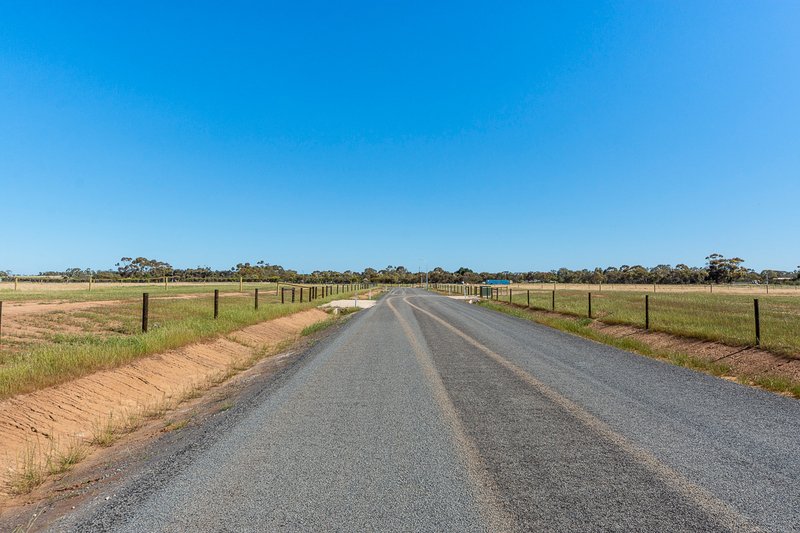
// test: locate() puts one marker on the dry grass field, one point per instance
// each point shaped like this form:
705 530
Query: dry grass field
743 289
83 291
52 333
722 314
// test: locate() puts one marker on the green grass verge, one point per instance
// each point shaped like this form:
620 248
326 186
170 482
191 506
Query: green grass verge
581 326
726 318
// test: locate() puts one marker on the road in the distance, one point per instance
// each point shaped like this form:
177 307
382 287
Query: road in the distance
429 414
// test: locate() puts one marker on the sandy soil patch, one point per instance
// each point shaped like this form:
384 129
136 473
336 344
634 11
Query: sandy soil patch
53 417
346 304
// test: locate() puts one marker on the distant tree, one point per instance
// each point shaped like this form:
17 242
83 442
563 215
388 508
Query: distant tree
141 267
78 274
724 270
597 276
439 275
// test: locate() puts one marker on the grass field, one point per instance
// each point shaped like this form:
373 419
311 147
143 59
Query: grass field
743 289
727 318
79 292
42 349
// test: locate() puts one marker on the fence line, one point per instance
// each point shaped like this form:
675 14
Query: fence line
509 296
311 293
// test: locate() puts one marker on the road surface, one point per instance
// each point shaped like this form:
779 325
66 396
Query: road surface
429 414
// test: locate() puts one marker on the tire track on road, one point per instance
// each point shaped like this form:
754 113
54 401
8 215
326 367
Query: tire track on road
496 517
711 505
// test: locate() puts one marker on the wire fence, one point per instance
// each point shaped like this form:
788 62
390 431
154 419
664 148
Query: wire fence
282 294
32 282
769 321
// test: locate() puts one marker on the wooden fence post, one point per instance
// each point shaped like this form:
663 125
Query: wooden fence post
509 296
165 282
646 311
216 303
282 296
301 294
554 300
256 298
758 321
145 311
292 294
590 305
240 284
529 298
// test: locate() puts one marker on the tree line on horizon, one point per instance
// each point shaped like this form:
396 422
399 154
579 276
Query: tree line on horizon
718 269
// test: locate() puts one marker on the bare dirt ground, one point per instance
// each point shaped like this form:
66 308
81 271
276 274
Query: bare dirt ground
46 420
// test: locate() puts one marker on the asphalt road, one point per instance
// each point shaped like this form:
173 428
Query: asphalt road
430 414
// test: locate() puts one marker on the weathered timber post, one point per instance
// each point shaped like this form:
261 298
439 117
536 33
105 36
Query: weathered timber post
758 321
145 311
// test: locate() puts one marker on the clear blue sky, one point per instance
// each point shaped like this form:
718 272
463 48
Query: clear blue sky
496 135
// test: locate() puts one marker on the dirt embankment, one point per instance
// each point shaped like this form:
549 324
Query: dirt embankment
41 422
747 361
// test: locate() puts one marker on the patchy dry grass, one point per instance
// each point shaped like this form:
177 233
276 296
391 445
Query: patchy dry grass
29 473
104 432
61 461
173 425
